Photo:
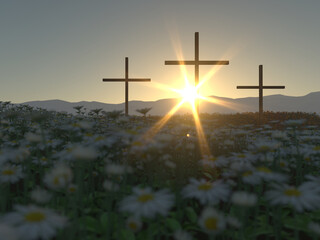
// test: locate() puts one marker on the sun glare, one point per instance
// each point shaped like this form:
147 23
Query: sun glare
189 94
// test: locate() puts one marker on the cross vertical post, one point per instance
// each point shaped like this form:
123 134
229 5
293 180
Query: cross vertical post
260 92
127 87
196 63
196 67
260 87
126 80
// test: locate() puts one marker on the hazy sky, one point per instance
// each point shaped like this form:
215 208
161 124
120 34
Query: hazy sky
62 49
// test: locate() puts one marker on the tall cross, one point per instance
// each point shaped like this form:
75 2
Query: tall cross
196 62
126 80
260 87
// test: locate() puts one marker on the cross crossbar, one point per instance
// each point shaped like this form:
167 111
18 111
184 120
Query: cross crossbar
126 80
129 80
202 62
260 87
257 87
196 62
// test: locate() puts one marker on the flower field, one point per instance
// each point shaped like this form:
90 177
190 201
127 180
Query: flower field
106 176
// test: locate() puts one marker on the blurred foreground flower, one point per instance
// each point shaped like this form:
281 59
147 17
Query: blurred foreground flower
211 221
182 235
244 199
10 173
40 195
206 192
314 227
32 222
300 198
146 203
84 153
59 177
134 224
7 232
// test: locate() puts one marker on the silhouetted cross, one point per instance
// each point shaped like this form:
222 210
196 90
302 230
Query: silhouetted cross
126 80
196 62
260 87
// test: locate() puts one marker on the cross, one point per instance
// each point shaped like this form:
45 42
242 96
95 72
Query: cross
126 80
196 62
260 87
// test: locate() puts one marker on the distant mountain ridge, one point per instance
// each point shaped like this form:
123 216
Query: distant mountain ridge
308 103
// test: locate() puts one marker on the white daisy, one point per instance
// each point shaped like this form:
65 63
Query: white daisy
59 177
233 222
32 222
264 146
313 182
244 199
72 188
33 137
206 192
280 135
211 161
250 177
84 153
170 164
86 125
40 195
211 221
314 227
146 203
7 232
134 224
182 235
110 186
118 169
267 174
10 173
294 122
300 198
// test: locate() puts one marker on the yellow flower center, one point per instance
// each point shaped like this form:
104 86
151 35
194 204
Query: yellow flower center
247 173
308 159
205 186
8 172
99 138
316 148
34 217
212 159
292 192
264 148
145 198
43 159
264 169
282 164
137 143
72 189
56 180
133 225
241 156
211 223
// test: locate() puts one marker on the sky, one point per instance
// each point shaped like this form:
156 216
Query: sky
62 49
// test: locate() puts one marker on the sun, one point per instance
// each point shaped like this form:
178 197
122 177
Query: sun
189 94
